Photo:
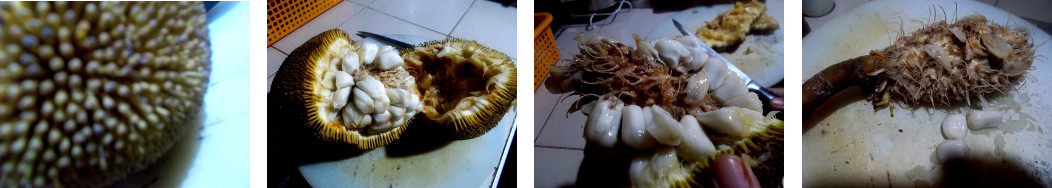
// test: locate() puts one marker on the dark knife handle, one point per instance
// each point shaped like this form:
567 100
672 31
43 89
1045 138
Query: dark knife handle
766 96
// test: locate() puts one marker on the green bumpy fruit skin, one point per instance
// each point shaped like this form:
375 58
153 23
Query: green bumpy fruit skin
93 91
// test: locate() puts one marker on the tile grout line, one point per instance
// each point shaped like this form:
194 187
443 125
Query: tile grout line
348 18
557 147
316 18
407 21
546 118
545 123
462 17
279 50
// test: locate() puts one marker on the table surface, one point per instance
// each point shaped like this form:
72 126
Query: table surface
848 143
1025 6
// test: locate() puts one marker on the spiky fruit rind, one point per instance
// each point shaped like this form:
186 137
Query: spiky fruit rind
295 92
92 91
971 70
769 173
467 87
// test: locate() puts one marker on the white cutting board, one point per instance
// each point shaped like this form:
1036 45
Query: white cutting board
760 56
465 163
856 144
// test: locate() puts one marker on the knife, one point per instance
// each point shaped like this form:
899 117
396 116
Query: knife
765 95
397 44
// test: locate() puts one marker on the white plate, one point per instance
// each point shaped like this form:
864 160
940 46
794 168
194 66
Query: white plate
767 69
854 143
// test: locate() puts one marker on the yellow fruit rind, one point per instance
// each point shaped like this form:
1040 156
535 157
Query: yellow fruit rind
769 173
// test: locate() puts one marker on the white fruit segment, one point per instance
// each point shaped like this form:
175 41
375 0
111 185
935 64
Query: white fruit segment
381 103
639 173
958 33
733 121
981 119
717 70
343 80
372 87
954 127
396 111
648 118
643 47
680 51
447 50
748 100
334 64
414 105
333 115
633 129
367 104
733 86
339 98
587 108
671 52
368 94
367 53
353 118
698 53
401 94
362 101
381 121
695 146
951 149
665 129
941 57
388 58
602 126
665 167
351 63
326 97
997 45
697 87
328 80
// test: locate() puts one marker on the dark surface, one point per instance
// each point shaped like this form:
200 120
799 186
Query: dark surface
966 172
508 175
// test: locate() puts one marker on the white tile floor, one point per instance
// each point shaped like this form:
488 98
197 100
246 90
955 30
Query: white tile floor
559 142
487 22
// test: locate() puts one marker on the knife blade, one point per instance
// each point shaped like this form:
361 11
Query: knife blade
397 44
752 85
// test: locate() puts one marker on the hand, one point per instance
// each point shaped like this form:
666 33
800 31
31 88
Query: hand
731 171
778 103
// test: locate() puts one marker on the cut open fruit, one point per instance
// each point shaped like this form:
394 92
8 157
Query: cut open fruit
338 91
466 87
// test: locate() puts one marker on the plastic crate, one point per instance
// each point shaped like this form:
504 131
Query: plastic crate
285 16
545 52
